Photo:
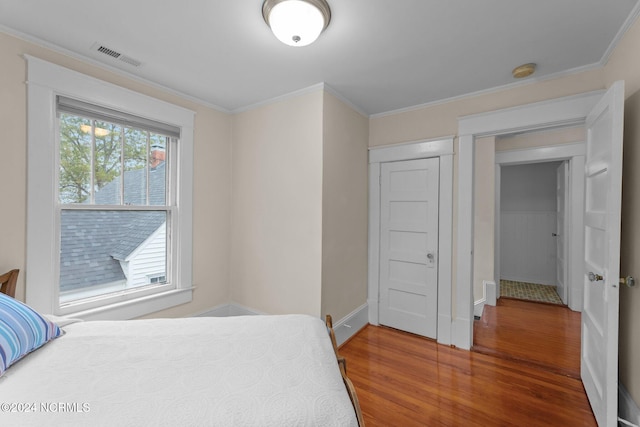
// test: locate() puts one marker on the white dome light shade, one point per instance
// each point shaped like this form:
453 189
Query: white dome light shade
296 22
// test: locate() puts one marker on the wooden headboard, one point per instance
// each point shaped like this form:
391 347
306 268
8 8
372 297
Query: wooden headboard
8 282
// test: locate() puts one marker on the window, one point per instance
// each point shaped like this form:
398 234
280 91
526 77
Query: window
156 279
114 202
111 238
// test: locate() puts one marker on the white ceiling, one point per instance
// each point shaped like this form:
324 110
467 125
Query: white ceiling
381 55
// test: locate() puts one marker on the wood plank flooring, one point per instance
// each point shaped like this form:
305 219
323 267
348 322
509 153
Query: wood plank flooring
405 380
543 334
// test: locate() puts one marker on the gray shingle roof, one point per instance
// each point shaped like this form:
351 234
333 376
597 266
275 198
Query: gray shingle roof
135 188
134 231
93 242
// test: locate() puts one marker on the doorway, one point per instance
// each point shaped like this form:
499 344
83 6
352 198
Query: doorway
534 193
532 231
601 174
542 215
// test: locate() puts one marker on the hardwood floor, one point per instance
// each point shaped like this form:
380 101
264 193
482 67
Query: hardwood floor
405 380
543 334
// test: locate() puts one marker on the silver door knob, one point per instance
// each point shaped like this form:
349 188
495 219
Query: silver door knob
628 281
593 277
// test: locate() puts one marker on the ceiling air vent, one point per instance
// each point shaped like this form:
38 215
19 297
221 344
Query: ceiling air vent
102 49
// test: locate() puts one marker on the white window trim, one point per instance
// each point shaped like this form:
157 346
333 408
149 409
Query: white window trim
44 82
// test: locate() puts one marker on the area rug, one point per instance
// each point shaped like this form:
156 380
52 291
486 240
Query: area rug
529 291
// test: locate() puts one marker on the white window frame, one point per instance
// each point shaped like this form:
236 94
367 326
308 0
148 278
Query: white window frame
45 81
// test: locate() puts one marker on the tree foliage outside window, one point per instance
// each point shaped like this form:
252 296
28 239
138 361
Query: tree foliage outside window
94 153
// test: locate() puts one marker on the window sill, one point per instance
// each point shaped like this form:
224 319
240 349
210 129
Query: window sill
137 307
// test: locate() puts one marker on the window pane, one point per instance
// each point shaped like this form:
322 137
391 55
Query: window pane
75 159
135 166
158 158
107 163
102 252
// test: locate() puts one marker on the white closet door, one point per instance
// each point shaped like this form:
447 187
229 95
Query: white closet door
408 246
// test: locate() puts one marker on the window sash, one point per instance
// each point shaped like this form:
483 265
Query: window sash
88 298
112 297
170 146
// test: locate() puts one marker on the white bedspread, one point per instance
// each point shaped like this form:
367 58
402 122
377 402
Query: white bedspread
236 371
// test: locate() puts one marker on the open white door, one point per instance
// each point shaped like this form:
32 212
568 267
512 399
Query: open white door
562 229
603 189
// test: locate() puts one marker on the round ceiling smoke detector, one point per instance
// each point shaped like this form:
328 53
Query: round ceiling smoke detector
524 70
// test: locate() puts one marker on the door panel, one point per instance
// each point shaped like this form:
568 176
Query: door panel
408 246
603 185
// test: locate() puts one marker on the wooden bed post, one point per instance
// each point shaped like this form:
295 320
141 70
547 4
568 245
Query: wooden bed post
342 363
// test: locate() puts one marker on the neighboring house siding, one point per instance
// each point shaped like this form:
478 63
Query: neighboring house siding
148 259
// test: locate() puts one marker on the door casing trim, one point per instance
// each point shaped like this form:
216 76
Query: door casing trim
442 148
571 110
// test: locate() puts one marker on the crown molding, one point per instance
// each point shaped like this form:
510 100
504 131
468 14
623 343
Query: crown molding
631 19
529 81
74 55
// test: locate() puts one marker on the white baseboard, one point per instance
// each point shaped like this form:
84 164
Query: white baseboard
373 311
348 326
536 280
227 310
478 307
627 408
221 310
489 291
236 309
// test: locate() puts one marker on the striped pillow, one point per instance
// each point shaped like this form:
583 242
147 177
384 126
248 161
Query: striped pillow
22 330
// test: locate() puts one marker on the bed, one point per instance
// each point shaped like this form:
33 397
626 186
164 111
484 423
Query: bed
235 371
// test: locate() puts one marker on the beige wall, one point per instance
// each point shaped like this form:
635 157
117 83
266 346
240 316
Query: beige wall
276 238
212 174
299 210
541 138
344 208
624 64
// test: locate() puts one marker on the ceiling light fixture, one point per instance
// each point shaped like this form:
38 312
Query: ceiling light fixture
524 70
296 22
